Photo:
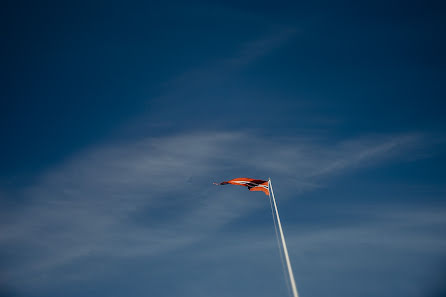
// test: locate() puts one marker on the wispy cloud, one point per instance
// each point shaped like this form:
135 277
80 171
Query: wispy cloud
256 49
225 66
401 247
107 200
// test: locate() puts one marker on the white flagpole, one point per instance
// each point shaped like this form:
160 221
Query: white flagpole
285 250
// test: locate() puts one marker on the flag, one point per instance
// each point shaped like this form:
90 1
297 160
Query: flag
250 183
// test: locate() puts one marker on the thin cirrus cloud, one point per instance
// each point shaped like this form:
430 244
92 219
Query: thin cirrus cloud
394 249
135 199
216 70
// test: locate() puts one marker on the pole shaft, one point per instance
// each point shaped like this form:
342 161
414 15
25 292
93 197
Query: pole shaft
285 250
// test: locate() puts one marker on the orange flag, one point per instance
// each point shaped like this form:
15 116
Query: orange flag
252 184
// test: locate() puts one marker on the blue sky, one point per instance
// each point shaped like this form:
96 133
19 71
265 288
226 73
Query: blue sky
116 117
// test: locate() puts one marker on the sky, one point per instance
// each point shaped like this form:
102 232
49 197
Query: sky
117 117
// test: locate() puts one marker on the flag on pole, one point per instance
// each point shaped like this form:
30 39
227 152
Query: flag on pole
265 186
250 183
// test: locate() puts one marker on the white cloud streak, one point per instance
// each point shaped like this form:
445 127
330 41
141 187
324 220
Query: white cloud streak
392 244
107 201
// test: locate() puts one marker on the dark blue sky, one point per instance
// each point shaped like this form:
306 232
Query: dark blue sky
116 117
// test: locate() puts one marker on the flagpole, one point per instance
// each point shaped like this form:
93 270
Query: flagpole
285 250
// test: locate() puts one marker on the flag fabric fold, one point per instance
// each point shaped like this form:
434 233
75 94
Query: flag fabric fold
251 183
